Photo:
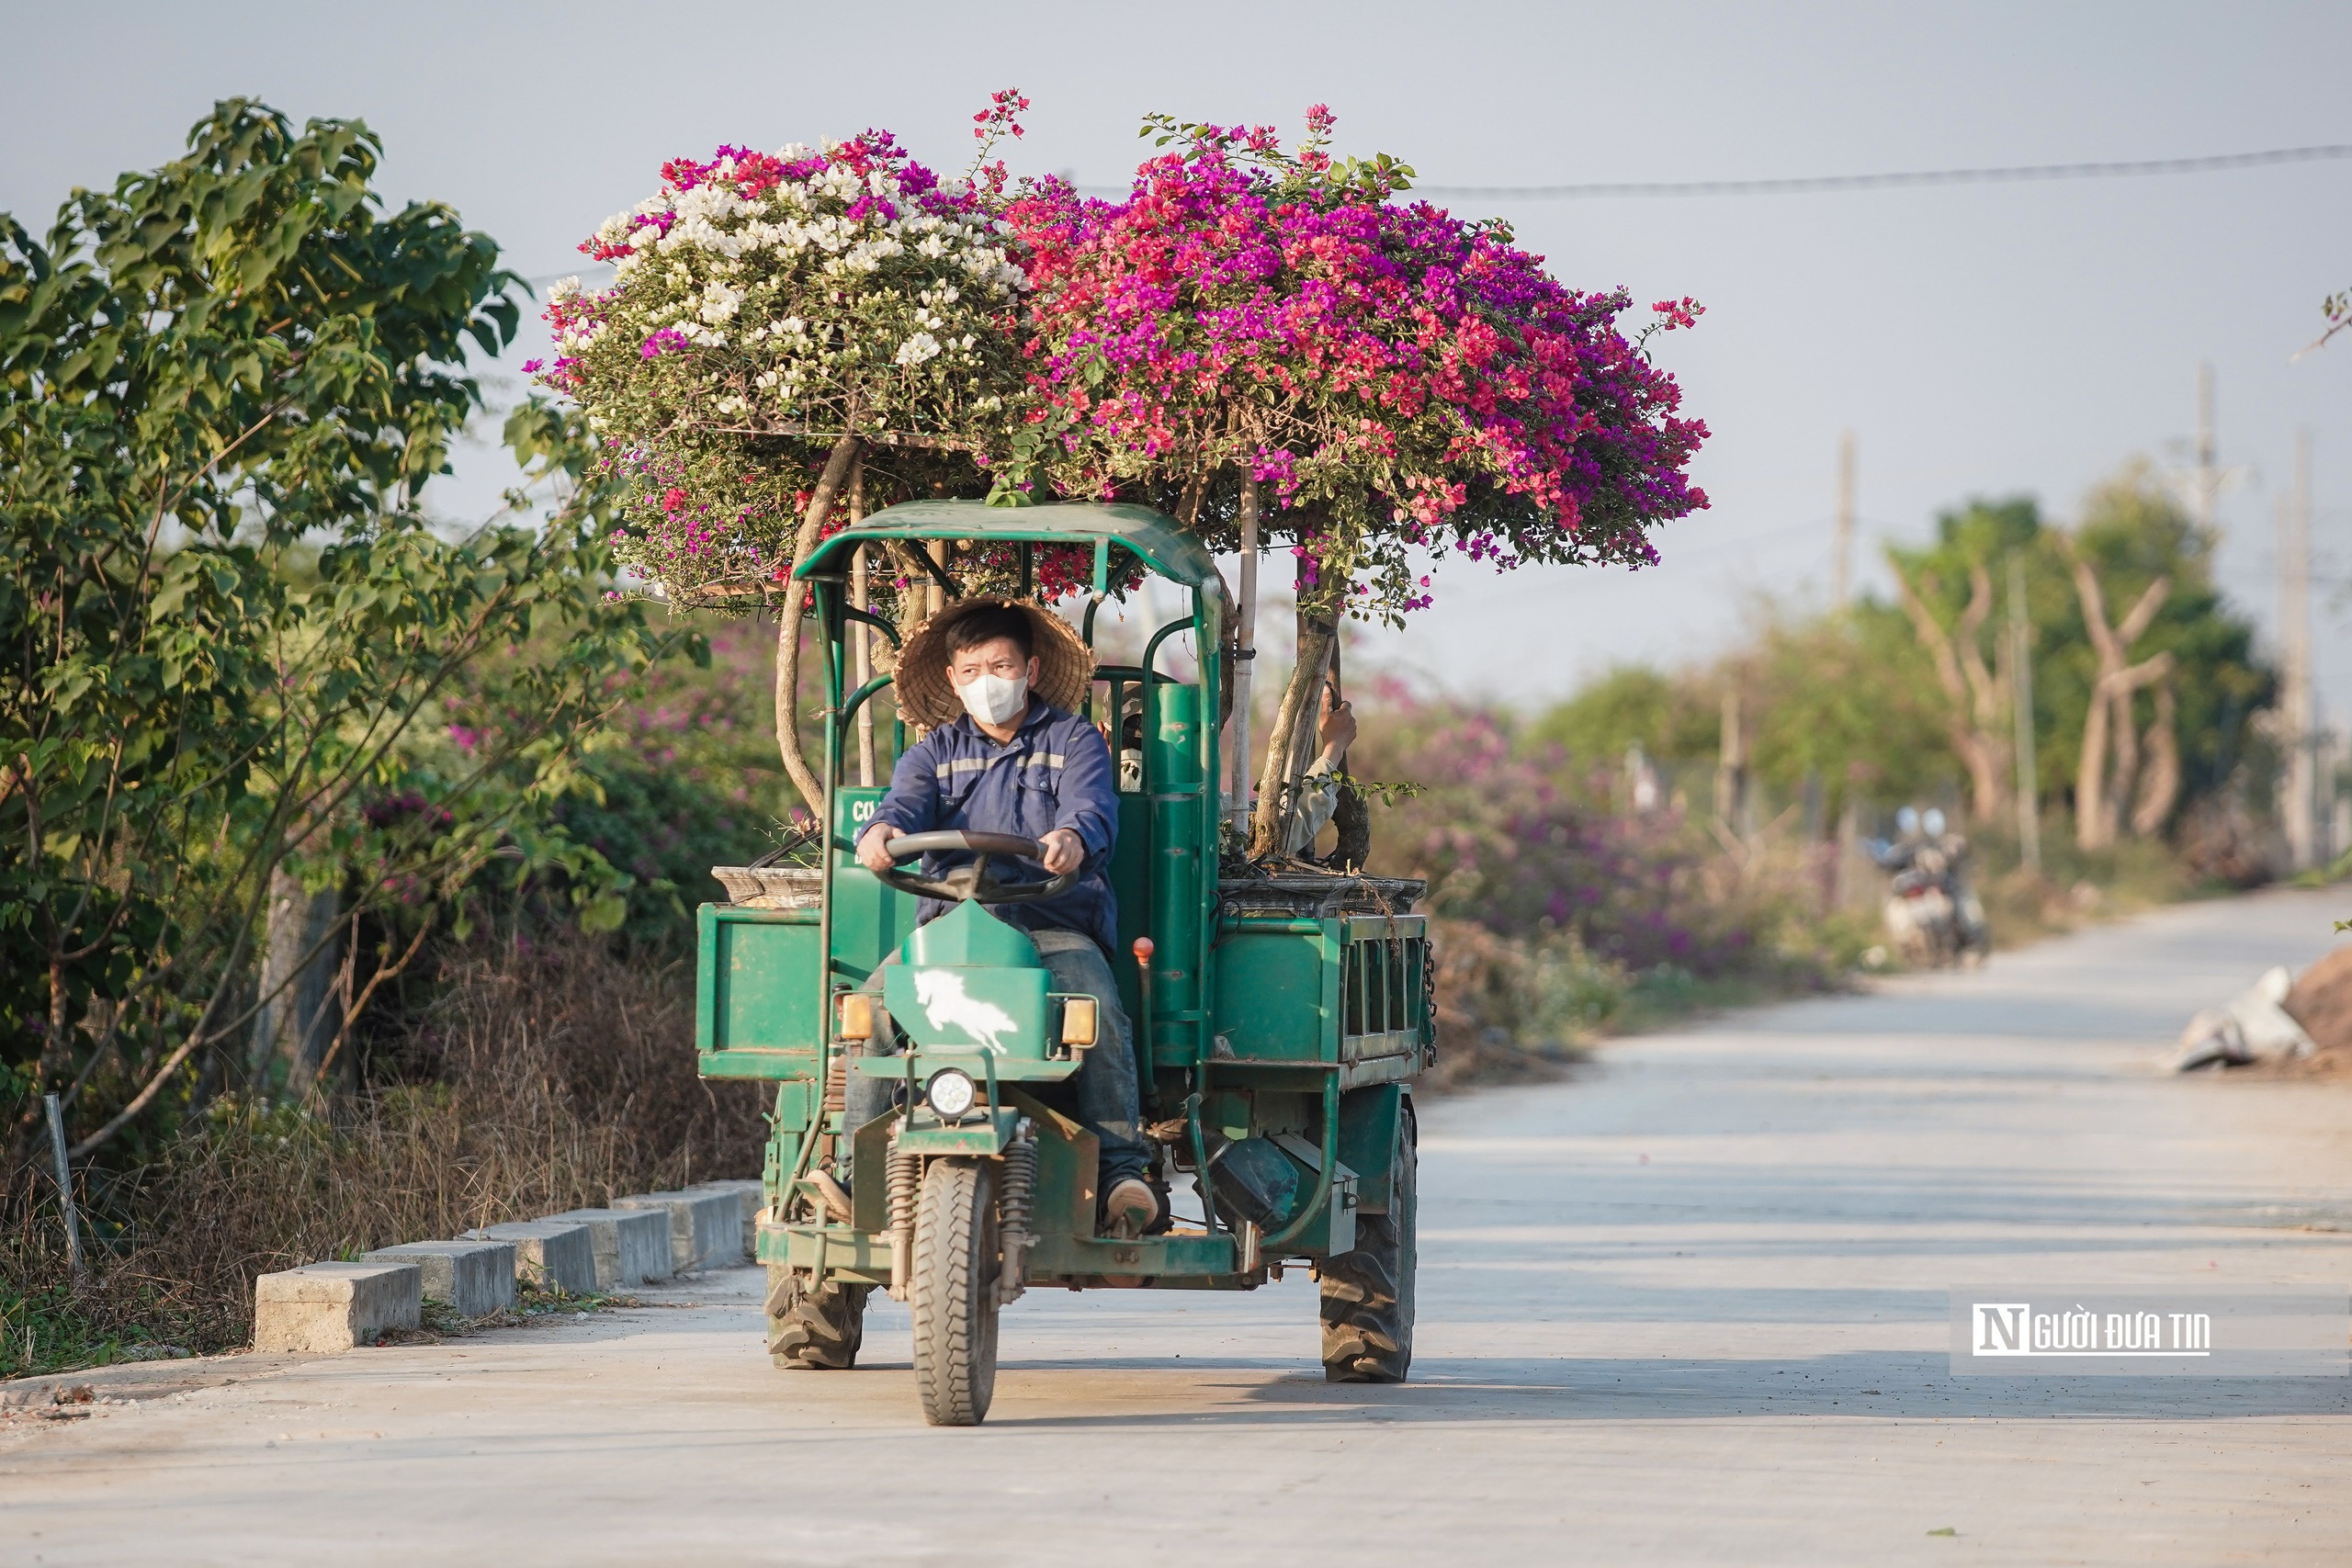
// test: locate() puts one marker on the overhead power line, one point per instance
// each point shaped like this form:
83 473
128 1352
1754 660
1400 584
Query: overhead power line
2216 163
1813 183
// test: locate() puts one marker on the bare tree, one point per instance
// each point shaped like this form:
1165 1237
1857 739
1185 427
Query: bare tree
2110 727
1977 718
2160 786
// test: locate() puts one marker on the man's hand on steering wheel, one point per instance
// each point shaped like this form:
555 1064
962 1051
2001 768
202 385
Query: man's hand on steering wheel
1064 852
874 849
888 852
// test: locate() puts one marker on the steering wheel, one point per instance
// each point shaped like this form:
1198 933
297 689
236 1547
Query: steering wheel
971 880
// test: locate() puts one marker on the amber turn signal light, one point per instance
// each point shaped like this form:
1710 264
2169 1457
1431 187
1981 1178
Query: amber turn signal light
1078 1021
854 1015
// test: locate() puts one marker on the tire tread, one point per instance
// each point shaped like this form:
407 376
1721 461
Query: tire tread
1367 1301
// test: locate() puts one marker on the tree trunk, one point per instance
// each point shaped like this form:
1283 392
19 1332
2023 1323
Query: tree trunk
2099 803
1973 718
837 463
1295 722
2123 737
2161 789
2094 813
290 1030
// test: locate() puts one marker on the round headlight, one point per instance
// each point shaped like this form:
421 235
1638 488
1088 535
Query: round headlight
950 1092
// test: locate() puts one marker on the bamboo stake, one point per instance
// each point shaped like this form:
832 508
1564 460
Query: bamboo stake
65 1186
861 643
1245 660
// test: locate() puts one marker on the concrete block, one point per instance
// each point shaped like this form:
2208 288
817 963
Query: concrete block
632 1245
706 1228
753 1195
326 1308
473 1279
549 1255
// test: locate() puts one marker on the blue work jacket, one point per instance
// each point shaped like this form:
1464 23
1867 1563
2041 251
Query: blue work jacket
1054 772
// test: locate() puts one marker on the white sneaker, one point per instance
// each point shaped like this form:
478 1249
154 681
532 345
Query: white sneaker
1130 1209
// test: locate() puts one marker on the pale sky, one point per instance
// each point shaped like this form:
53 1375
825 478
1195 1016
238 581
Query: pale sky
1985 339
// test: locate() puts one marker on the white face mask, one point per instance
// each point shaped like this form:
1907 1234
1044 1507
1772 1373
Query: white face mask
995 699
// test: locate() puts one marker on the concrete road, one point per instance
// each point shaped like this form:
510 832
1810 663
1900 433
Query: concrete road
1687 1308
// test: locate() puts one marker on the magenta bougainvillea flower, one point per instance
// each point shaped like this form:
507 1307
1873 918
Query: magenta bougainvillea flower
1393 375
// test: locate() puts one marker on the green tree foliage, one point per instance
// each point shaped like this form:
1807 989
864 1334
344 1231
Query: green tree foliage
1856 701
1837 700
1632 706
2132 530
232 645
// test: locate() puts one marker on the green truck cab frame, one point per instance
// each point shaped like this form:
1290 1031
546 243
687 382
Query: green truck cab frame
1285 1020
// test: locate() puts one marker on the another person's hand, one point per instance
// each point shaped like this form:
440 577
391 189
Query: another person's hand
874 850
1064 852
1337 729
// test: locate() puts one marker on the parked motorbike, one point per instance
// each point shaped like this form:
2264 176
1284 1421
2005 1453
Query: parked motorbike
1932 918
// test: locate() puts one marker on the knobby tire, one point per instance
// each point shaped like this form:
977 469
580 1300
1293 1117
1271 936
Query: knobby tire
1367 1294
814 1331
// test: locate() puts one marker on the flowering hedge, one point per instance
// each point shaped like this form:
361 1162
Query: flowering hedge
1396 376
763 306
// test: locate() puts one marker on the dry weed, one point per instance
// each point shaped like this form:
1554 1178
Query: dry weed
542 1077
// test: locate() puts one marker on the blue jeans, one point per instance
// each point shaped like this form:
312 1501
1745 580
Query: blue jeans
1101 1093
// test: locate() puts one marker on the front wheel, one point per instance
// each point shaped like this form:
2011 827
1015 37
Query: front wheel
956 1272
1368 1293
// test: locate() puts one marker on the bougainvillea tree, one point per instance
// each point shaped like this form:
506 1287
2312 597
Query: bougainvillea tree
1260 337
783 331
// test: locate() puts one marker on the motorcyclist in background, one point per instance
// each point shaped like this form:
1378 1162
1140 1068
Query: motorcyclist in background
1975 939
1931 912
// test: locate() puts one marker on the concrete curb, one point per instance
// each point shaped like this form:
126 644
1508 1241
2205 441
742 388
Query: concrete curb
754 1197
549 1255
474 1278
706 1228
632 1246
325 1308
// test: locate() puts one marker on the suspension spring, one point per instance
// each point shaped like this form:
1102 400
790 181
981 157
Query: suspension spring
906 1186
1013 1207
837 1085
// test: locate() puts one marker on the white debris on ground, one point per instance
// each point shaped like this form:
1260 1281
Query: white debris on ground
2256 1027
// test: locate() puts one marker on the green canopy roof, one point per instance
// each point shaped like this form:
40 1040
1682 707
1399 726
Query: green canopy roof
1165 547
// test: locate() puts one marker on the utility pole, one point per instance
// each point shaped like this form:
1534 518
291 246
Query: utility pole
2208 475
2021 700
2295 639
1731 769
1844 579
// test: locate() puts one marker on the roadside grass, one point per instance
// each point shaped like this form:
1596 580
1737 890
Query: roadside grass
2079 887
48 1331
439 1321
552 1076
1516 1010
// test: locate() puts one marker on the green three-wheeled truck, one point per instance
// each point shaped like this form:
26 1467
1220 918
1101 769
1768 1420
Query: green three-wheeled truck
1277 1022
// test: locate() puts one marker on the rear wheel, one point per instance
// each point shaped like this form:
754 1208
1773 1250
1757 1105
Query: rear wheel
955 1291
815 1330
1368 1293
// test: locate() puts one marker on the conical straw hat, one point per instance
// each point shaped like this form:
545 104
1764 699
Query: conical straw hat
925 695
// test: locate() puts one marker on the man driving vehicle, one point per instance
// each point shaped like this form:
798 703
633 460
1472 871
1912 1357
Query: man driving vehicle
1012 763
